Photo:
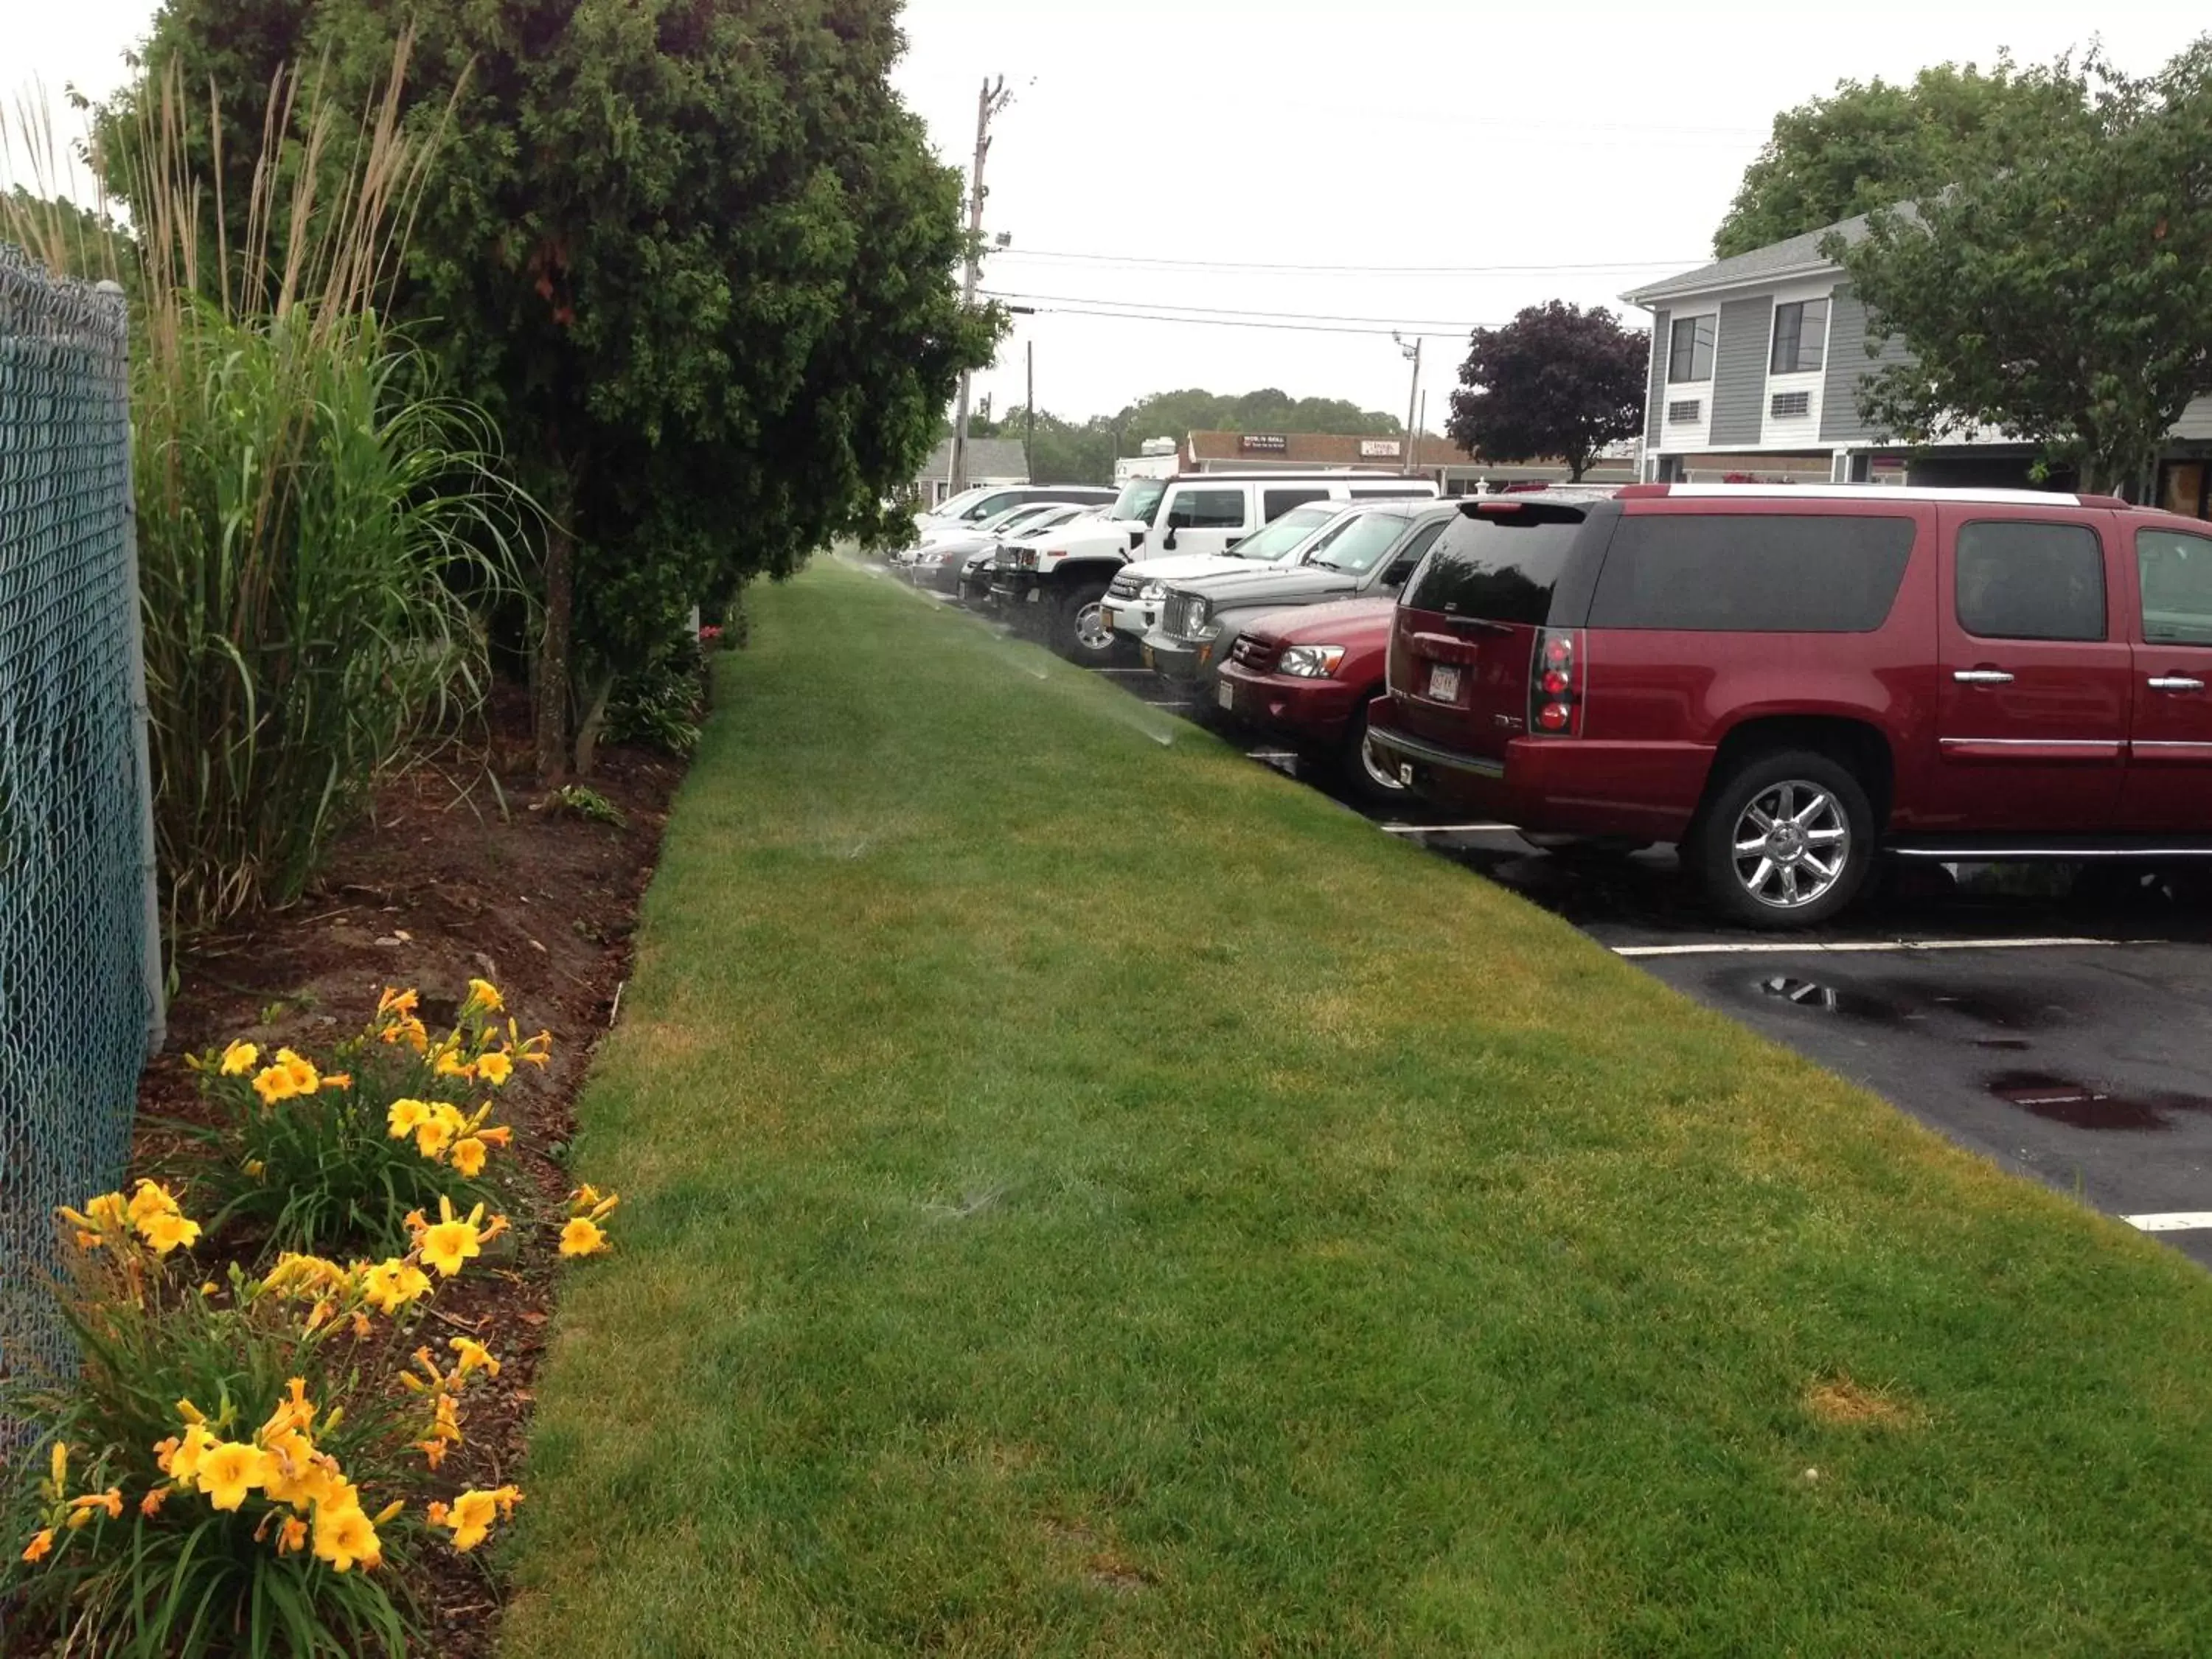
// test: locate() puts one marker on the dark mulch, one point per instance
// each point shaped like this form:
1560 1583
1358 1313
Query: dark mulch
463 870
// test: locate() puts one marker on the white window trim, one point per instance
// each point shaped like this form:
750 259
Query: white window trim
1774 333
1676 320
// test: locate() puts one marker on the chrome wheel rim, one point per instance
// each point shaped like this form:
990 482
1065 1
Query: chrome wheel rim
1377 774
1792 844
1090 633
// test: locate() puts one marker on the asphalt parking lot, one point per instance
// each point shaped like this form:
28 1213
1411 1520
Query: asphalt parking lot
2060 1027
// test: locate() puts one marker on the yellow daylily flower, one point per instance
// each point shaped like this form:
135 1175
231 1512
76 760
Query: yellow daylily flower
167 1232
238 1059
344 1537
449 1241
406 1116
469 1155
495 1067
109 1212
582 1236
40 1546
484 996
475 1357
229 1470
470 1515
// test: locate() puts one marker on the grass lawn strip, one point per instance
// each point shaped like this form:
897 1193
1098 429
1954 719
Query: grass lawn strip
1317 1250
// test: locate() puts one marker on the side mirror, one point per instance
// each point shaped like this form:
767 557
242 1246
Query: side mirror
1168 541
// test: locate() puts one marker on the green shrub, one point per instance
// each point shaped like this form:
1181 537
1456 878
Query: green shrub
315 1160
660 702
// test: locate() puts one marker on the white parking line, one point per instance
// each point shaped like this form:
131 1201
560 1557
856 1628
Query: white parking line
1120 671
1439 829
1270 755
1860 947
1172 703
2172 1221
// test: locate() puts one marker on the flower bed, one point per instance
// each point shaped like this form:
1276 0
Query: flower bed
452 877
252 1463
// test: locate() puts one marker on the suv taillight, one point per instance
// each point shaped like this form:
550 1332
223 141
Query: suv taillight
1555 685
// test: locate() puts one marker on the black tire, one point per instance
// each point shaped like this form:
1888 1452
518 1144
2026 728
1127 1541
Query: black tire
1374 784
1761 891
1075 633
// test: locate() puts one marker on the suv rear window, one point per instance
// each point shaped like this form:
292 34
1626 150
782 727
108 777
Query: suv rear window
1746 573
1500 564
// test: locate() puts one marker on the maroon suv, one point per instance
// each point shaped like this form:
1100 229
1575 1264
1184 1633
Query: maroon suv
1306 676
1789 681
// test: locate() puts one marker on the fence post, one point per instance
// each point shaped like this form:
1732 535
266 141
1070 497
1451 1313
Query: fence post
156 982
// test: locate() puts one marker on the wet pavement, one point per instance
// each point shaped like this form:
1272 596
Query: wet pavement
2061 1026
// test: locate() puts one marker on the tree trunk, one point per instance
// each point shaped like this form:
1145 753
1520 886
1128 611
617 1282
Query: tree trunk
594 722
556 645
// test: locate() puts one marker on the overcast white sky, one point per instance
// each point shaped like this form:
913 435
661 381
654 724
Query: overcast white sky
1533 151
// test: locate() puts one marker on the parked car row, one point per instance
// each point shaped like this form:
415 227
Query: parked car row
1788 682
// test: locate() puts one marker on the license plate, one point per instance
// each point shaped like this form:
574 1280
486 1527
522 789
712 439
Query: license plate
1226 694
1106 617
1035 593
1443 683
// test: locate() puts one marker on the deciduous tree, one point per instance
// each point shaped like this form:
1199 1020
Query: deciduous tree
2064 301
1873 145
1556 381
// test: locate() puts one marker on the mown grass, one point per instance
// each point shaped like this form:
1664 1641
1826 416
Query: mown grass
1308 1248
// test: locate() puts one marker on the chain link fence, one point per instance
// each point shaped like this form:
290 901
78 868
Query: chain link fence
80 964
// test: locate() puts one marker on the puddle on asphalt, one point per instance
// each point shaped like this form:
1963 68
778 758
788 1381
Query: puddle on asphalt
1904 1002
2062 1100
1831 1000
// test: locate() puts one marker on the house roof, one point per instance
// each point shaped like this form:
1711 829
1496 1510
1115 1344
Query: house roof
1797 256
987 458
1320 449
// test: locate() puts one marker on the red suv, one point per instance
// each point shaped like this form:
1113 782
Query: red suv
1307 676
1788 681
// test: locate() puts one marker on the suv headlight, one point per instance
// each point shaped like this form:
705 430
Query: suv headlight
1310 662
1151 592
1192 623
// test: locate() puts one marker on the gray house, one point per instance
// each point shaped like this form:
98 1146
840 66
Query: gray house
1756 363
990 461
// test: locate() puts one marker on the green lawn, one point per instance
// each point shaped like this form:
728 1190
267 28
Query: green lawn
1332 1254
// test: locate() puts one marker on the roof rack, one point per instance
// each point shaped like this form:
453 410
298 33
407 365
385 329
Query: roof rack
1825 491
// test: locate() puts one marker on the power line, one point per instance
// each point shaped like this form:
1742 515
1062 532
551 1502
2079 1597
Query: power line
1246 322
1203 313
1342 270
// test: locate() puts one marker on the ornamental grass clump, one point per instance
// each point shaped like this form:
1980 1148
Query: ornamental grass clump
246 1467
306 1158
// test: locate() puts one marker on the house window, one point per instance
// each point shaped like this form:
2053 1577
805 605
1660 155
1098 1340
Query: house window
1689 410
1801 332
1690 349
1788 405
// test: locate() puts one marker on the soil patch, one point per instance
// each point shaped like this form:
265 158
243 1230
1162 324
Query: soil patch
1839 1402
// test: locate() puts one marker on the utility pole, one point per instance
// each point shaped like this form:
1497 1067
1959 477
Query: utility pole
993 98
1421 431
1412 355
1028 413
